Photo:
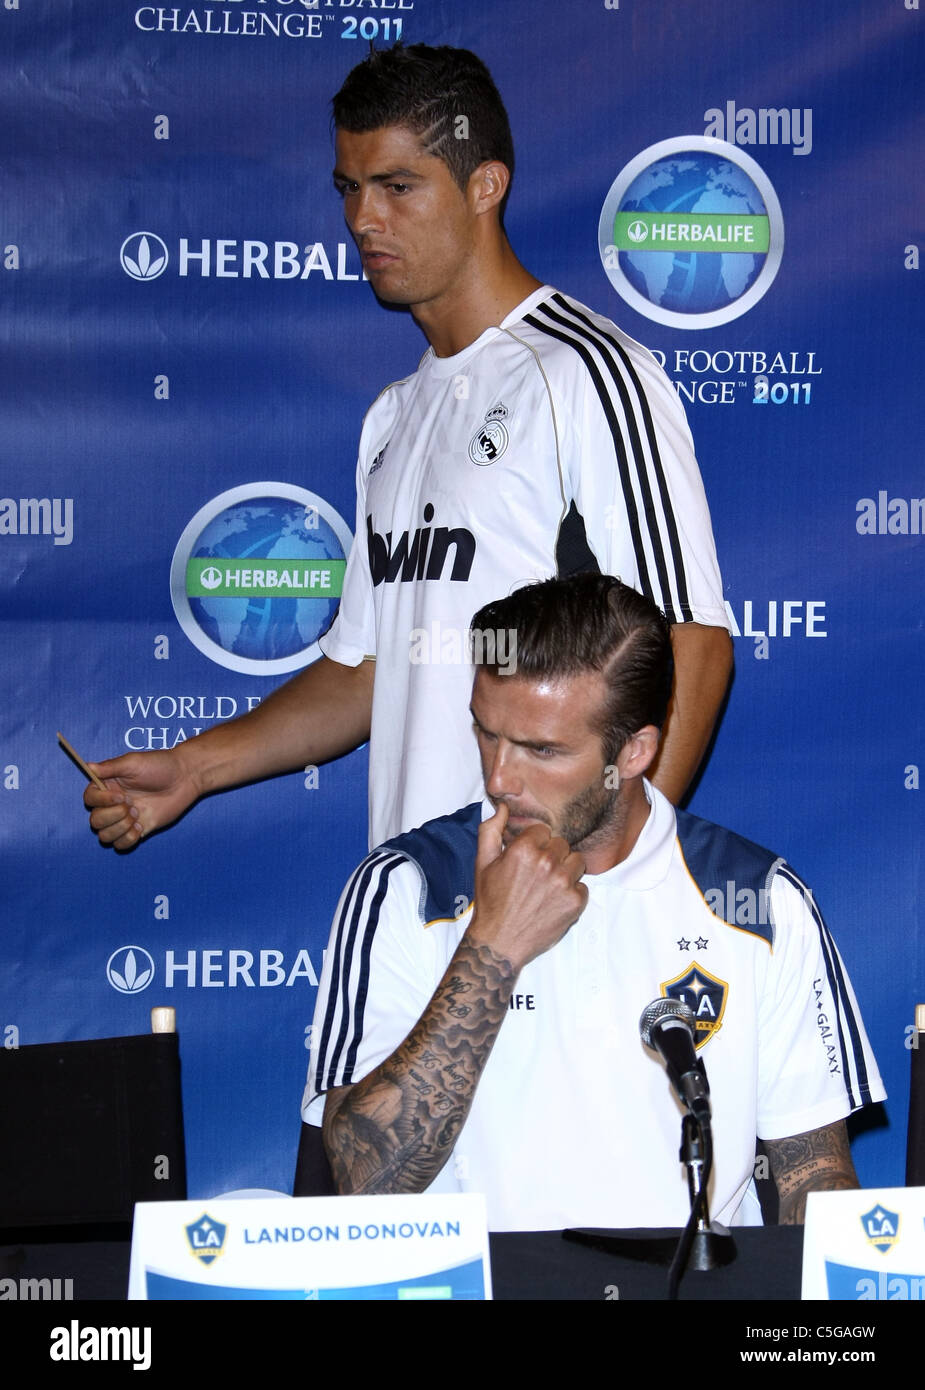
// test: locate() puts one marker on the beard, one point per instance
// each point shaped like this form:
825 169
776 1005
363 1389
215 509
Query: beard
593 817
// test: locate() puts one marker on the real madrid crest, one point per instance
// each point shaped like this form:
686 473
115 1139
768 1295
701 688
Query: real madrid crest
489 443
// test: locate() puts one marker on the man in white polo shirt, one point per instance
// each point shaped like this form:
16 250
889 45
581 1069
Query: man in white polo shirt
477 1020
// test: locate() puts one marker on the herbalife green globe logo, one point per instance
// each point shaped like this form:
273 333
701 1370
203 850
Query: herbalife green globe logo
691 232
257 576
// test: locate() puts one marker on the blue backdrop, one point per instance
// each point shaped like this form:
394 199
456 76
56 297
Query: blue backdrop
183 316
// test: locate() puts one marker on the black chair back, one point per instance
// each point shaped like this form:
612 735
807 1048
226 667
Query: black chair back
90 1128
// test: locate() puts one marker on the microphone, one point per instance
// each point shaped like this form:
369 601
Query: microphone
666 1026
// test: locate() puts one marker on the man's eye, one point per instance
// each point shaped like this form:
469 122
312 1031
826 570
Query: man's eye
344 188
399 187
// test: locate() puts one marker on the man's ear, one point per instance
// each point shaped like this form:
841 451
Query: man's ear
488 185
638 752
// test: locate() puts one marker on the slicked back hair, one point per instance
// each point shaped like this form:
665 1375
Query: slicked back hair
591 622
445 95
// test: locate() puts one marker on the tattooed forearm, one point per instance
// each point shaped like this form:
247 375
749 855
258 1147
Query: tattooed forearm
818 1161
394 1130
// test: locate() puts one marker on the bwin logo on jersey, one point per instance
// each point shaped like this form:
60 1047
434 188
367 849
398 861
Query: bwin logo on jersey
704 995
130 969
206 1238
422 555
144 256
881 1227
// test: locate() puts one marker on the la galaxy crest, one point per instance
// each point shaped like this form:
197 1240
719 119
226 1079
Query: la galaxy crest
206 1238
704 994
881 1227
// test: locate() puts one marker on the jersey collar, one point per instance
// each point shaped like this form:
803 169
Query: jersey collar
442 367
649 860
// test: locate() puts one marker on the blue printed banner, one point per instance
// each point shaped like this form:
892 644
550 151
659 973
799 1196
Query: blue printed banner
188 349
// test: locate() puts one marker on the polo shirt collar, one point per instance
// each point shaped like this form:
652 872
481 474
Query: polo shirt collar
650 858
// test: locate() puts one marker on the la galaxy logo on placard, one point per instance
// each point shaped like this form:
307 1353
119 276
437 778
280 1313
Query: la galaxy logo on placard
206 1238
881 1227
705 996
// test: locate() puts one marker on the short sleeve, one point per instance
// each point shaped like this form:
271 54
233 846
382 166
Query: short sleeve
352 635
815 1064
637 484
380 972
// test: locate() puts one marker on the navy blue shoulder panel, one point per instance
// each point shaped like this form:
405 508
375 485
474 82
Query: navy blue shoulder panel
444 852
723 864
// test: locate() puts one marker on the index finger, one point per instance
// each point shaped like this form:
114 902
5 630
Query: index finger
99 794
491 837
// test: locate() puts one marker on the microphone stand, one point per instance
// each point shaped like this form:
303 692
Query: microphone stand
702 1245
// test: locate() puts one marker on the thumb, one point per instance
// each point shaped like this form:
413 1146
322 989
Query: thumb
113 768
491 838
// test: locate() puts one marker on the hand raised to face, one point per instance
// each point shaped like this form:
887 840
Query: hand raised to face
526 895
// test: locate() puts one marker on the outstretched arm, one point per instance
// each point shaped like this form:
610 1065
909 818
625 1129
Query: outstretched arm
394 1130
702 667
319 714
818 1161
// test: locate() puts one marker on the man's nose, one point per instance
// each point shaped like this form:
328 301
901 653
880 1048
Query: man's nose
364 212
502 776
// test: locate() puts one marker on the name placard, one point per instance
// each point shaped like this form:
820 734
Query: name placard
312 1248
867 1245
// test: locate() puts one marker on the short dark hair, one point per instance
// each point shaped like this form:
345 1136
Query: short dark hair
592 622
428 90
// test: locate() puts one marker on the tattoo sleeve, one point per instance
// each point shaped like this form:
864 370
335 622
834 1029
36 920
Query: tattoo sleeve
394 1130
818 1161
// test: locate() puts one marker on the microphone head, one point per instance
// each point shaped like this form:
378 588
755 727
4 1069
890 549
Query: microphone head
661 1010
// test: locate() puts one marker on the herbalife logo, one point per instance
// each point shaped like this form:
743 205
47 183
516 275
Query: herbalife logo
257 576
144 256
691 233
130 969
305 579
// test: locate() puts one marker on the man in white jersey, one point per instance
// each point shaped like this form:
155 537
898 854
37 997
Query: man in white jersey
534 439
477 1019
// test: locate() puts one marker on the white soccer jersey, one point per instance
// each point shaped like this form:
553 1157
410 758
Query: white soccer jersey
481 472
573 1122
